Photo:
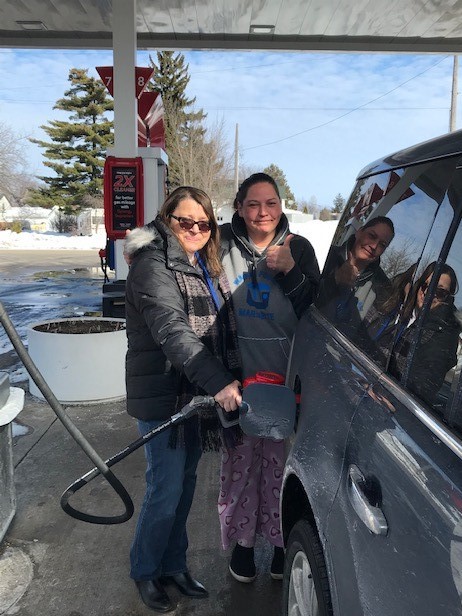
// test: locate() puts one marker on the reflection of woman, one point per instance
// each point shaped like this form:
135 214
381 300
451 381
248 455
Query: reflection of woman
352 278
273 275
436 351
181 342
380 323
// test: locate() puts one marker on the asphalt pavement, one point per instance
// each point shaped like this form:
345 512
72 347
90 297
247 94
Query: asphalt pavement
54 565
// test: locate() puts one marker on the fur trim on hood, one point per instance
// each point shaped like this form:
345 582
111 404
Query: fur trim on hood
138 238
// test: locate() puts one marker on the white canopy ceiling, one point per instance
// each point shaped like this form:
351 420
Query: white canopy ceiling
321 25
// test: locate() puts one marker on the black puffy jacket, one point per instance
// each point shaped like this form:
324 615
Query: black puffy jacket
436 352
161 343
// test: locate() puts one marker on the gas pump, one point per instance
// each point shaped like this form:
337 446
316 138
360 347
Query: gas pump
134 188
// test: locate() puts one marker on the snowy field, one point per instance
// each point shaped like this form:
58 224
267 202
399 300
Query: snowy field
319 233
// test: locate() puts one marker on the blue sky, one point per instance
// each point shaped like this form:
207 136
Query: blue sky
320 117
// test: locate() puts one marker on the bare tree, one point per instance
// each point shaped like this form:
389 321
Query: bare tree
94 203
246 171
309 207
14 179
204 158
395 261
64 223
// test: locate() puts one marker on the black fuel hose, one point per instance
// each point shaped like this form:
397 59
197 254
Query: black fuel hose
190 409
101 467
49 396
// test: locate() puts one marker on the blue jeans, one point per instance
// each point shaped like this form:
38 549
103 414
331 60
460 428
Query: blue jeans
160 542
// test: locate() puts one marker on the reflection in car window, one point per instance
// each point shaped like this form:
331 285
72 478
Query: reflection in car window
432 369
437 335
364 297
353 276
427 335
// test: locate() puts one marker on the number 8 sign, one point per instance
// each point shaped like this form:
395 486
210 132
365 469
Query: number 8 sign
142 77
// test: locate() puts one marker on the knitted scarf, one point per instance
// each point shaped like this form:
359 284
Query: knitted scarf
217 331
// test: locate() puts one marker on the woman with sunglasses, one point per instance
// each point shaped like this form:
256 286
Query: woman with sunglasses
181 342
436 351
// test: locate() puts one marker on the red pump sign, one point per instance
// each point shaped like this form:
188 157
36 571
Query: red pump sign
123 195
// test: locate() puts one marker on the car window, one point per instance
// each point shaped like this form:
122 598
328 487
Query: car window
427 337
376 251
427 357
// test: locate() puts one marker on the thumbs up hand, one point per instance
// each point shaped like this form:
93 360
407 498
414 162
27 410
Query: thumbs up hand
279 258
347 274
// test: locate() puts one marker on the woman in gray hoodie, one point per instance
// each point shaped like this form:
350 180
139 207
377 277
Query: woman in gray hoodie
273 276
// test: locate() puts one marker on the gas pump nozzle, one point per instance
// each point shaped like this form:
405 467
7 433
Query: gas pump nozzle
267 411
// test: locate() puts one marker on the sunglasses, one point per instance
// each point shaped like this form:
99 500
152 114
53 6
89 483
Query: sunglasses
441 294
188 223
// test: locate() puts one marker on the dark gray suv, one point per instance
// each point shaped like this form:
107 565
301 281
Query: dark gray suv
372 498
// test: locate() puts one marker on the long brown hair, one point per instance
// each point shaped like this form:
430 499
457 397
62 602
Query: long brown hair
210 253
397 292
445 269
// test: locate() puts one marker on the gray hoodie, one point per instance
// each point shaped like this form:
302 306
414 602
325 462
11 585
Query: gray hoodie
267 305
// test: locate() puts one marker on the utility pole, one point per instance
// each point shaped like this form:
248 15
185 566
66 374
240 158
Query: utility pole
453 111
236 160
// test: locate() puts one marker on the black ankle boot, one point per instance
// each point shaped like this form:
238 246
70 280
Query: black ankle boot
185 584
154 596
242 565
277 564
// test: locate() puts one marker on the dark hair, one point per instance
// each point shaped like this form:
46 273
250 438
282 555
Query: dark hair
384 220
211 251
445 269
255 178
397 293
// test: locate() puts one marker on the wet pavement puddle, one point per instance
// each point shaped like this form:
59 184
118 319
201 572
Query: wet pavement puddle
44 296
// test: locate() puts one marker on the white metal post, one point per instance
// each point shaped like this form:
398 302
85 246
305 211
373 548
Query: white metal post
125 108
154 159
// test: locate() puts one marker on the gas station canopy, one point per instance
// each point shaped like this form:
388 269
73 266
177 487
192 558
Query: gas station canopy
316 25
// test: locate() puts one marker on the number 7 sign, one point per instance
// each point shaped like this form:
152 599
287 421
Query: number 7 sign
142 76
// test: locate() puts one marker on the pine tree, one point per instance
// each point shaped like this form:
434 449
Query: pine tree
339 204
183 126
171 79
279 177
77 149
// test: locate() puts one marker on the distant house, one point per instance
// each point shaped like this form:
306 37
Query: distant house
31 218
225 212
41 219
90 221
296 216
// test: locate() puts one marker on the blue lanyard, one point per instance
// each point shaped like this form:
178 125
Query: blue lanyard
209 282
383 327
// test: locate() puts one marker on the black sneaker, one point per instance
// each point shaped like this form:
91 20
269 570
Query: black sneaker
277 564
242 565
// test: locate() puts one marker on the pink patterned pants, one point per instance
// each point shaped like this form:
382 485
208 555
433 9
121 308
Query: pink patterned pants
248 503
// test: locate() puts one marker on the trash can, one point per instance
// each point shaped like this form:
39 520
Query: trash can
11 403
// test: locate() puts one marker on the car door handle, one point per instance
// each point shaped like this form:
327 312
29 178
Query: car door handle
370 515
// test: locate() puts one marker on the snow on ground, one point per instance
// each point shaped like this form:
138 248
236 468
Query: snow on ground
31 240
319 233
